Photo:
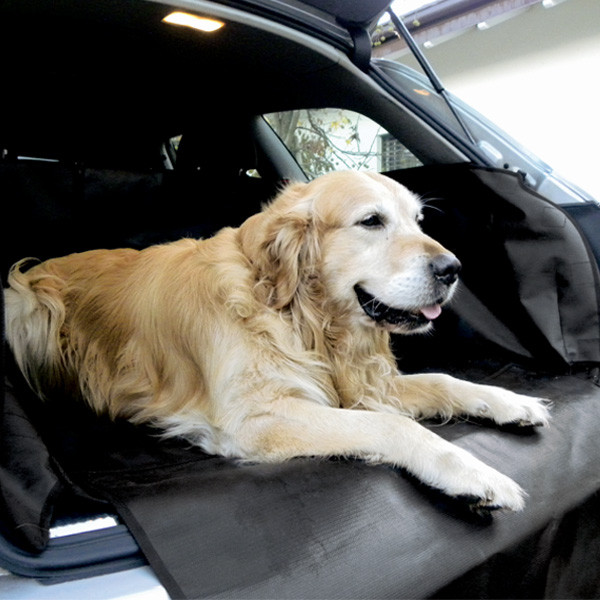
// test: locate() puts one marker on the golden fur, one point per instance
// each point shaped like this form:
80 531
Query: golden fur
254 343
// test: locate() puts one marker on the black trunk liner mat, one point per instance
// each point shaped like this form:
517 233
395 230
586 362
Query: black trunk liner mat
337 529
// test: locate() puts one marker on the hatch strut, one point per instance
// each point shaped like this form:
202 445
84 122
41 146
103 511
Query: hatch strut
402 31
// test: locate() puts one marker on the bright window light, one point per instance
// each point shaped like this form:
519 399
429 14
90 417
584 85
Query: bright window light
193 21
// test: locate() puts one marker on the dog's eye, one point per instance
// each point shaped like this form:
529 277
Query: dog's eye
372 221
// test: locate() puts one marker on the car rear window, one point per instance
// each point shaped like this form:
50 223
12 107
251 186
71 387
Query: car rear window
333 139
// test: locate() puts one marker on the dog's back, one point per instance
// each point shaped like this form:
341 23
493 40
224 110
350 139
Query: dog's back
118 328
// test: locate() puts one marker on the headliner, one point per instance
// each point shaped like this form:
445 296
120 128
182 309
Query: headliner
91 71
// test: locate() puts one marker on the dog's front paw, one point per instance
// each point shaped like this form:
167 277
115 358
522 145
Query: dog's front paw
505 407
464 477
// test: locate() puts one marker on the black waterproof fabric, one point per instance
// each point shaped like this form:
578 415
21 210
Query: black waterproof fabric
57 208
529 279
342 529
29 484
558 561
311 529
29 481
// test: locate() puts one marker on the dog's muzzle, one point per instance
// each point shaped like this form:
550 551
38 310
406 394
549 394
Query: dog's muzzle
444 268
382 313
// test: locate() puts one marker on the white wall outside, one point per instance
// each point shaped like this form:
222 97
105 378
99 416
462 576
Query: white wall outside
537 76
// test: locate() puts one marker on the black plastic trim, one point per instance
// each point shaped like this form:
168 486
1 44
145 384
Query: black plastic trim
75 556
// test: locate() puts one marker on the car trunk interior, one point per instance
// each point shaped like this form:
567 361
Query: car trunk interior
84 166
488 335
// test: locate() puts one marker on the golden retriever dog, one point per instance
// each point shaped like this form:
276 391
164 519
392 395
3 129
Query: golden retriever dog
270 341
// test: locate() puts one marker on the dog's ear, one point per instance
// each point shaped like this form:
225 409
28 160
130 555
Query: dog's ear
281 243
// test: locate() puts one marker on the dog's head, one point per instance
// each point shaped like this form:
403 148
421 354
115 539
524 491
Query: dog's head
358 236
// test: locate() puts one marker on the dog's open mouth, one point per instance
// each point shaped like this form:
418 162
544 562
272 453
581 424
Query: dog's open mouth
382 313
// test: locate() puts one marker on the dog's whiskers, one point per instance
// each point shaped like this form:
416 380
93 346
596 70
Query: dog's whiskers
426 204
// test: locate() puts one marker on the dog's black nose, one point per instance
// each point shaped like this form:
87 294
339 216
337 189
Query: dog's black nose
445 268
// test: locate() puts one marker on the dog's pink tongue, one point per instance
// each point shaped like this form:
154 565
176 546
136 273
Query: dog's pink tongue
432 312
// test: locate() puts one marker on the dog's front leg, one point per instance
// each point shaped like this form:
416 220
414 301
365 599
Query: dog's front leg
429 395
294 427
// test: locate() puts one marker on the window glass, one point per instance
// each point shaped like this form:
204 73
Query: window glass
334 139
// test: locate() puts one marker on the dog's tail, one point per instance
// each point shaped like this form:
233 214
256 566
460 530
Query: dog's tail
34 317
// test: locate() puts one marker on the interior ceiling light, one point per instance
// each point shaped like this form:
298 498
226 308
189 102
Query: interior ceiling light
193 21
